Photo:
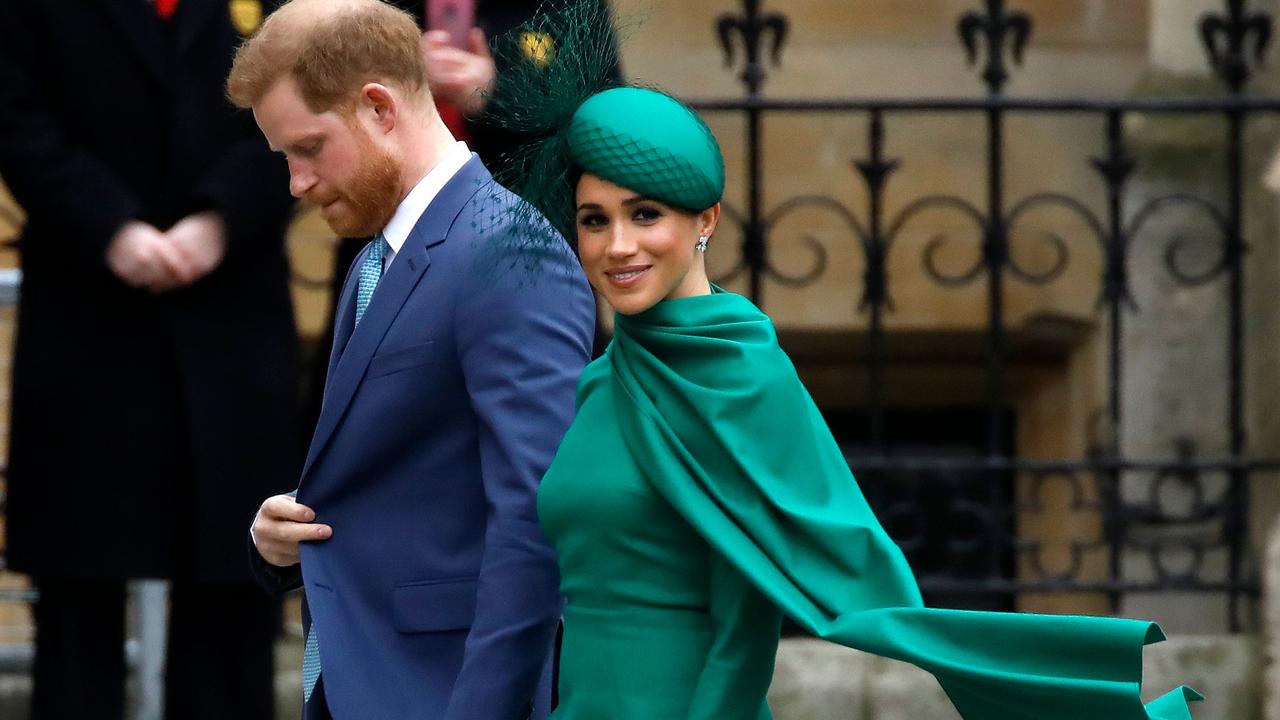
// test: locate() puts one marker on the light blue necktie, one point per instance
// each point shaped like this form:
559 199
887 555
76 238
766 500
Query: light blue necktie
310 664
370 274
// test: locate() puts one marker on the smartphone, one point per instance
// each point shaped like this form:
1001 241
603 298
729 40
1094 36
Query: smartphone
455 17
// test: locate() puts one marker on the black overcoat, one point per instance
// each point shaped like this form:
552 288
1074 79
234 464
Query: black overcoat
146 429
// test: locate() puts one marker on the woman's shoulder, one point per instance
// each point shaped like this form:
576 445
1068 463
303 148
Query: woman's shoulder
593 377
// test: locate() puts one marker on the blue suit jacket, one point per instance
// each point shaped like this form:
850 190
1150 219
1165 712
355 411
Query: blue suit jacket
437 595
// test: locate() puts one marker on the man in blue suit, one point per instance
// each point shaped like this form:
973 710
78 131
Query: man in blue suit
432 592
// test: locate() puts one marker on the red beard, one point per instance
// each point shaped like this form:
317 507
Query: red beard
364 206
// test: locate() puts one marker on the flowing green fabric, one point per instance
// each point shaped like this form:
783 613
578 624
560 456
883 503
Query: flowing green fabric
721 427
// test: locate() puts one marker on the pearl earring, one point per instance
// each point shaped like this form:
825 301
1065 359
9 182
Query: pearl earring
702 243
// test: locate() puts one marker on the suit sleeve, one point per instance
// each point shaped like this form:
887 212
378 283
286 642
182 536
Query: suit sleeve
48 175
739 666
524 337
274 579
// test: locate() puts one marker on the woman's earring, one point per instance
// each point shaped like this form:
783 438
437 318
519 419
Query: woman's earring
702 243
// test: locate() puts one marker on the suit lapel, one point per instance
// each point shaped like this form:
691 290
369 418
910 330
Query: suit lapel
393 290
137 21
344 322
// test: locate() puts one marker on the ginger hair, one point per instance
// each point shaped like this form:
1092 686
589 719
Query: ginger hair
331 49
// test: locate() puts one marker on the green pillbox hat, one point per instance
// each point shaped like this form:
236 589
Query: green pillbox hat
650 143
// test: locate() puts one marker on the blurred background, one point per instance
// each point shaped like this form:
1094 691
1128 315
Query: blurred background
1025 255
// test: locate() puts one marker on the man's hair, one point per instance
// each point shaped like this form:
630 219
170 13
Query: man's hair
331 48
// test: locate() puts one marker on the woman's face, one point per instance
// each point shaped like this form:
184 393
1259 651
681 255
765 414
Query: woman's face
638 252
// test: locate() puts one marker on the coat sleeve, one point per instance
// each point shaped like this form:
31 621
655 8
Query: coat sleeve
248 185
524 337
49 175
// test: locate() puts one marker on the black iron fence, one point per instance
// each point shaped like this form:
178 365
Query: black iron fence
982 516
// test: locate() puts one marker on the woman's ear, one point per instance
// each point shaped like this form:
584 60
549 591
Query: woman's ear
708 219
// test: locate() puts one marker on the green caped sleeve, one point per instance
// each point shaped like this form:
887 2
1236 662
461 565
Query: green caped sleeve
739 666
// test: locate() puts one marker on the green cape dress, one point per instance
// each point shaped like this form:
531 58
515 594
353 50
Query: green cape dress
699 495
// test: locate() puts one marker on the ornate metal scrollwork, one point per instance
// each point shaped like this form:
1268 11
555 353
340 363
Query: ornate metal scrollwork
1033 552
1180 242
765 264
1056 241
937 241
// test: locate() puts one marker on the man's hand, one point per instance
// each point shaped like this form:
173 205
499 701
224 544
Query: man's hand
200 242
142 257
280 525
461 77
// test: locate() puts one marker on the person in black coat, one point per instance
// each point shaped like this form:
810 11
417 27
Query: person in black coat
154 378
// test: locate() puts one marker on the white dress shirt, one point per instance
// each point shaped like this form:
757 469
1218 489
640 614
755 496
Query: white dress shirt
416 202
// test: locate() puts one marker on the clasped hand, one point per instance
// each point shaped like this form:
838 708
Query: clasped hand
144 257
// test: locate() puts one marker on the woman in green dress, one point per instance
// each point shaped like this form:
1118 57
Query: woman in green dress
698 496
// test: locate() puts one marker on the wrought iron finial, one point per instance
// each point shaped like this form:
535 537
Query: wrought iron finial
1001 29
1226 39
1116 169
752 25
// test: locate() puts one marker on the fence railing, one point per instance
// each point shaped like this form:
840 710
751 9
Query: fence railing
981 505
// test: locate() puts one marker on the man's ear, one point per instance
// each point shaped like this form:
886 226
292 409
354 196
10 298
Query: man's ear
381 104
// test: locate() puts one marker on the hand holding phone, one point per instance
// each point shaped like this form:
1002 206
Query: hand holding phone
455 17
